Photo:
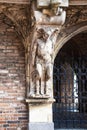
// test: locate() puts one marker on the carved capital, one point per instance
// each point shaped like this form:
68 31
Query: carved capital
49 12
49 17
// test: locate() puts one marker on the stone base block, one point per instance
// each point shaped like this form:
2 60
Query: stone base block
41 126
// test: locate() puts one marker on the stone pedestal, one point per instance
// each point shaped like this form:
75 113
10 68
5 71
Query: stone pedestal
41 126
40 114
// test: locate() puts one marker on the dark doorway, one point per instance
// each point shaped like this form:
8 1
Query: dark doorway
70 84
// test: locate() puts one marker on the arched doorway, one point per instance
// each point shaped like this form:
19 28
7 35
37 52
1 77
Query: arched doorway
70 84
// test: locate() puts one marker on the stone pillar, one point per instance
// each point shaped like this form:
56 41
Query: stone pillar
40 114
39 62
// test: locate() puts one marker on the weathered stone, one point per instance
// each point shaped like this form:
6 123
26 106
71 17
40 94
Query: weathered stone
41 126
43 3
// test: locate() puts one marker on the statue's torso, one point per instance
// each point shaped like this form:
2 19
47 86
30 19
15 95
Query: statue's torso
44 50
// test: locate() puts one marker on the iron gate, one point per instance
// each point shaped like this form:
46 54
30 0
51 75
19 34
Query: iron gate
70 93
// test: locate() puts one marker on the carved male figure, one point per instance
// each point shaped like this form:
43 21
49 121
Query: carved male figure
43 43
43 60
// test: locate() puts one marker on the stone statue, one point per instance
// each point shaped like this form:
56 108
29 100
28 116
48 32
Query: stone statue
44 38
42 62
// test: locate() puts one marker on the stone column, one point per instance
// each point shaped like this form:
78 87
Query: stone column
43 37
40 84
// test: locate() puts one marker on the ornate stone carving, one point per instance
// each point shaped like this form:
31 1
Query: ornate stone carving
20 17
76 15
41 67
49 17
48 24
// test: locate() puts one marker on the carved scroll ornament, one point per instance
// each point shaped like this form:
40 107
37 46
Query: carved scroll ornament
48 17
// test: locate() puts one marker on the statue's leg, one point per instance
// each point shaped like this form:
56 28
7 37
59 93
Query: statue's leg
37 93
49 70
32 89
43 82
47 88
39 70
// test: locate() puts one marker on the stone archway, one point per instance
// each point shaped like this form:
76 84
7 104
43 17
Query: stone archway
68 75
67 35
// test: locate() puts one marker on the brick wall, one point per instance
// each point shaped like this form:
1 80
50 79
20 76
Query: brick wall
13 109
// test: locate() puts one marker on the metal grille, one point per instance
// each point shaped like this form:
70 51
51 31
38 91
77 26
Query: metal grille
70 93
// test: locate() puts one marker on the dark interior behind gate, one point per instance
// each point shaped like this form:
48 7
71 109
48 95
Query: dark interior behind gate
70 85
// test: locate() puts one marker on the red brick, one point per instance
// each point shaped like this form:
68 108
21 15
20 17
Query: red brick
12 79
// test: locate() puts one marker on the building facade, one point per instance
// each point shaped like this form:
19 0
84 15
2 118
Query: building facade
34 35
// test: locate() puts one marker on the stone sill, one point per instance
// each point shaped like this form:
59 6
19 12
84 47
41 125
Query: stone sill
40 100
